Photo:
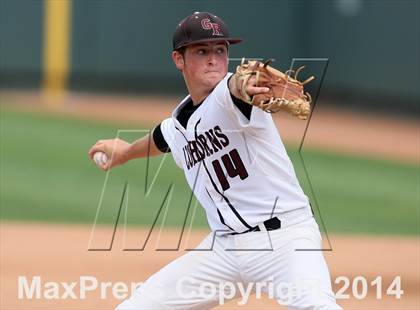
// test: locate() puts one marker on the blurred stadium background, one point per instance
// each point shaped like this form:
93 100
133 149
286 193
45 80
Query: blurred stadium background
73 72
125 45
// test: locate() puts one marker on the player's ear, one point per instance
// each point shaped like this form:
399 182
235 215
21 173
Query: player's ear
178 59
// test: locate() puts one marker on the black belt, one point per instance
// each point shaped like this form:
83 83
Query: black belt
270 224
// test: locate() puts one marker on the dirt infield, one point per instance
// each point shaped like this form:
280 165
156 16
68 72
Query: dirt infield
340 130
58 253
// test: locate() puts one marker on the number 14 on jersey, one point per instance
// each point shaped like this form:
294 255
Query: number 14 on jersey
234 167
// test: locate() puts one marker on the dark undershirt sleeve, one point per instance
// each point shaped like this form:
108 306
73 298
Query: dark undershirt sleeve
244 107
159 140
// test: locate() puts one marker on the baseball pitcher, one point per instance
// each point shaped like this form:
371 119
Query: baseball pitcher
223 137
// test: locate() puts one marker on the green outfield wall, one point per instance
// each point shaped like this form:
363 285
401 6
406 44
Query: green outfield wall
20 43
372 46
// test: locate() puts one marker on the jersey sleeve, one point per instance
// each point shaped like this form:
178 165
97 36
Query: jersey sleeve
160 141
257 118
168 130
244 107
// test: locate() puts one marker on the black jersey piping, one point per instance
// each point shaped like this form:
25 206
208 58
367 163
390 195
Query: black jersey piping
217 190
182 134
222 220
219 213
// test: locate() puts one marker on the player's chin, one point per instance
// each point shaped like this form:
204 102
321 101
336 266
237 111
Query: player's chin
213 78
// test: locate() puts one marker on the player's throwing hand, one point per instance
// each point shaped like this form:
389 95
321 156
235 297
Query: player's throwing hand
117 151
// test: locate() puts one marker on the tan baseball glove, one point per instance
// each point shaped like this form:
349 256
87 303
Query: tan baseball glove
286 92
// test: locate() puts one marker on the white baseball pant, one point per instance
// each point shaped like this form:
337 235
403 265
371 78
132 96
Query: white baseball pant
283 263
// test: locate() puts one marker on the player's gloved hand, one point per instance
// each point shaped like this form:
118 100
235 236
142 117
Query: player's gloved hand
116 150
285 92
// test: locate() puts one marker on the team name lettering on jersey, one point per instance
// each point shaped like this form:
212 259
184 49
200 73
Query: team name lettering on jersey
206 144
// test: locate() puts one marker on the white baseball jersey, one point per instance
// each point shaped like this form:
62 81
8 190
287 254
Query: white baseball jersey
237 167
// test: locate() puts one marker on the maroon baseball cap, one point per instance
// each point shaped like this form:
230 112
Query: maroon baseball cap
201 27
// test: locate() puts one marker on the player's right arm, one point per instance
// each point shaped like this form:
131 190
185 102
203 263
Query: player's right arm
120 151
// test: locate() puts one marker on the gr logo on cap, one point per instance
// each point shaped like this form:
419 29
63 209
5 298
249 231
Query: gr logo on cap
201 27
206 24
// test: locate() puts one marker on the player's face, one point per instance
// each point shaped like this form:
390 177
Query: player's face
205 64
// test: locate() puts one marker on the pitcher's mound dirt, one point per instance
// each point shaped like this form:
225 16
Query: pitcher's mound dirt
58 253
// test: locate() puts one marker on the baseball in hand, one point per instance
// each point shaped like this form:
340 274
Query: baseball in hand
100 158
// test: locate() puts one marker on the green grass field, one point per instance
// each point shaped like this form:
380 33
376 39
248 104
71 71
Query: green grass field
46 176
